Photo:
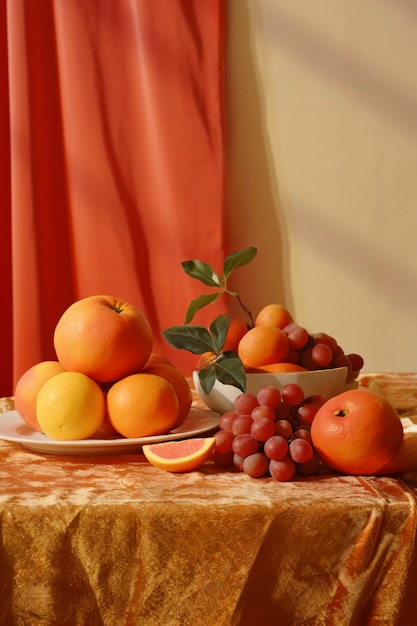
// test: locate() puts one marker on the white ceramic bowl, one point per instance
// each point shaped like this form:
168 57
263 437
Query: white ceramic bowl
328 383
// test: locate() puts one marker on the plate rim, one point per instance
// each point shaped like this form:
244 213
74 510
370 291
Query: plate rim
42 443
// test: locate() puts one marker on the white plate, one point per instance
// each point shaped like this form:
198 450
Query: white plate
12 428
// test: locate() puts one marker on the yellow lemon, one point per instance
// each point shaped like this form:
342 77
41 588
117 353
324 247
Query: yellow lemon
70 406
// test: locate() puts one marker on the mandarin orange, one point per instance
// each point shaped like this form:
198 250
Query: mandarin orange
277 368
141 405
274 315
234 334
263 345
157 357
181 387
205 359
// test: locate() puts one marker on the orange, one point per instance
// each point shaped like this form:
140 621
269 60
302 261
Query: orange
181 387
204 359
103 337
180 456
156 357
277 368
28 387
263 345
70 406
234 334
357 432
141 405
274 315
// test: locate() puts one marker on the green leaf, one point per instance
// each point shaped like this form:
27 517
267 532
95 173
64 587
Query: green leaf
237 259
199 303
202 272
218 331
227 369
230 371
195 339
207 377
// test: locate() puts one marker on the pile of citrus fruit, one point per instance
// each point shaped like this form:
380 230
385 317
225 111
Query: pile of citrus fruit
105 377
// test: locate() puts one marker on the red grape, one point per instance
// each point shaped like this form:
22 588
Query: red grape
356 361
242 424
263 411
325 338
301 451
245 403
292 394
276 448
306 413
297 335
321 355
245 444
283 428
318 400
256 465
307 360
338 350
238 462
262 429
226 420
269 396
342 360
283 470
302 433
224 440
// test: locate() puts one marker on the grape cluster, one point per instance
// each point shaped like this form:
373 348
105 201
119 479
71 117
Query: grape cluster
269 434
319 351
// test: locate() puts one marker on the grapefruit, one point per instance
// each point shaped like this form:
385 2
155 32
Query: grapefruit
28 387
357 432
103 337
180 456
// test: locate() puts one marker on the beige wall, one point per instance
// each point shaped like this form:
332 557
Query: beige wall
322 157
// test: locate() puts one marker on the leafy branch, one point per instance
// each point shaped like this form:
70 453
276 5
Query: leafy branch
205 273
226 367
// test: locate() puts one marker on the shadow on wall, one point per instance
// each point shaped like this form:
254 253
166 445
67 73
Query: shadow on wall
253 210
387 95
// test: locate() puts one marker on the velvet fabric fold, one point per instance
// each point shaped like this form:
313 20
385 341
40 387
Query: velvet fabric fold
113 540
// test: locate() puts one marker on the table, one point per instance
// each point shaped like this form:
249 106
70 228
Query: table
113 541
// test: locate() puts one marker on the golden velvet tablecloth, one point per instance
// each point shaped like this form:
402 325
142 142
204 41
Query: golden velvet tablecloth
91 541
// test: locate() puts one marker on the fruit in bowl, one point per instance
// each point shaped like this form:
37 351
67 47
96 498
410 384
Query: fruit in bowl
325 382
236 357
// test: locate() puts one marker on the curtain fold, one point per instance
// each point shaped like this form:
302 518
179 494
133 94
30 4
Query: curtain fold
117 161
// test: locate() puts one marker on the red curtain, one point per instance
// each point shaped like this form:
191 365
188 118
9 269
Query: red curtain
112 171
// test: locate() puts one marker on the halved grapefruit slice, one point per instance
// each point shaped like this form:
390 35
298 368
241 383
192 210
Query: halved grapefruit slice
180 456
